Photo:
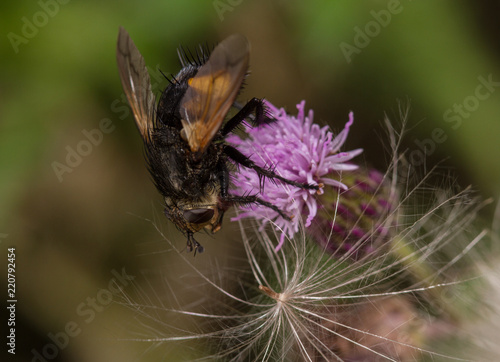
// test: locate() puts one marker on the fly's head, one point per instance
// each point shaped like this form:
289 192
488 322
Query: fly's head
192 216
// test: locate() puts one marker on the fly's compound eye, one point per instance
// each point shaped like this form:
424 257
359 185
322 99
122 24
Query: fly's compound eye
198 216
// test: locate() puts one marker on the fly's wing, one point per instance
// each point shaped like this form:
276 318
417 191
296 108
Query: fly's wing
212 91
136 82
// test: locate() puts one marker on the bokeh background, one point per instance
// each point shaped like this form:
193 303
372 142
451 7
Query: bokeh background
74 232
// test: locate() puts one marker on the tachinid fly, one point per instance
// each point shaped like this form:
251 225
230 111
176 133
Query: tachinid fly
183 134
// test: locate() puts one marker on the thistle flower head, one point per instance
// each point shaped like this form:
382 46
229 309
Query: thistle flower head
357 221
304 305
298 150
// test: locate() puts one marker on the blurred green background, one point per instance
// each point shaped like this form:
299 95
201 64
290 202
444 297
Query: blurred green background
60 81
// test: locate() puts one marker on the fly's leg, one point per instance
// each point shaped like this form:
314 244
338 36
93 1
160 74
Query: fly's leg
252 199
243 160
260 117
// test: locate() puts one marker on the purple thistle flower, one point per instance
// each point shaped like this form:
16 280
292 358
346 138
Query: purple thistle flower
299 150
